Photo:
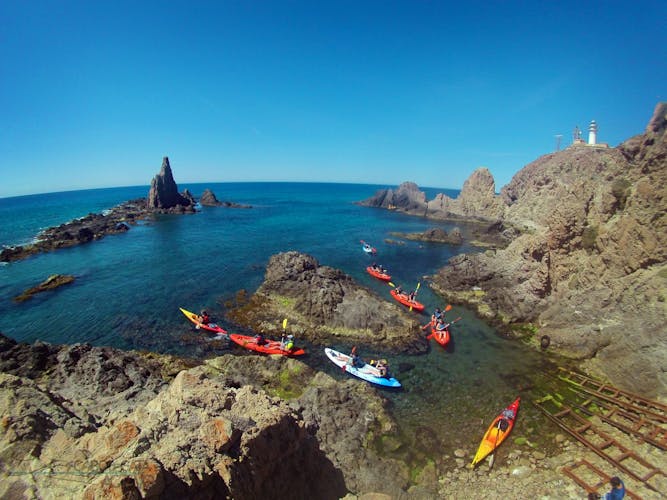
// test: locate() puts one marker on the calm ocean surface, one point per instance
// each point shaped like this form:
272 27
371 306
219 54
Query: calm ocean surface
129 287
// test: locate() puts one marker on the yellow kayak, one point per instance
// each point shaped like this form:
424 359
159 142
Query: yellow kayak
497 432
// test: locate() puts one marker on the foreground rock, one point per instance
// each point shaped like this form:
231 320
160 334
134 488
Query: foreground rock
51 283
98 422
322 303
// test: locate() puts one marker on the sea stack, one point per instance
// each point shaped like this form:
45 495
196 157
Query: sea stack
164 195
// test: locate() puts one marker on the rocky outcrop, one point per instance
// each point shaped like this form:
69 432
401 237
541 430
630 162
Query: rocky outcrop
406 198
209 199
590 266
434 235
51 283
321 302
85 422
83 230
163 195
478 199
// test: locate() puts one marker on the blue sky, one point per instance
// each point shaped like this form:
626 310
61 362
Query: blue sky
95 93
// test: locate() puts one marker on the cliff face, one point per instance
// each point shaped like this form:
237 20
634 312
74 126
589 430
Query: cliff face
590 267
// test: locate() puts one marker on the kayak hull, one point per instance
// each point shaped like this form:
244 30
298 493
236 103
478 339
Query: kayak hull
271 347
366 372
403 299
377 274
211 327
441 337
367 248
494 435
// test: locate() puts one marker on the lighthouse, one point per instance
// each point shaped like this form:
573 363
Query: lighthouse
592 133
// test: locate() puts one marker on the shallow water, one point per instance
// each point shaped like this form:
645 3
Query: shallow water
129 287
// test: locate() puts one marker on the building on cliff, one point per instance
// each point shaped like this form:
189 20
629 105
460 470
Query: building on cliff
592 137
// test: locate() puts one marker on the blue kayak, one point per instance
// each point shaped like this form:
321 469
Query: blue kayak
366 372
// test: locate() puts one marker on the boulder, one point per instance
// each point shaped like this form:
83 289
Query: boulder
320 301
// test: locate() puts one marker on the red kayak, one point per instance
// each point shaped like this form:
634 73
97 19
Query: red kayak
440 336
405 300
376 273
269 347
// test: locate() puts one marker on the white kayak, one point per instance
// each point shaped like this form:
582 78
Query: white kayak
366 372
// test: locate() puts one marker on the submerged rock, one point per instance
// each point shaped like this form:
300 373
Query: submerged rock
52 282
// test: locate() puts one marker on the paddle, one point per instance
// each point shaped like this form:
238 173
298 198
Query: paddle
495 445
413 297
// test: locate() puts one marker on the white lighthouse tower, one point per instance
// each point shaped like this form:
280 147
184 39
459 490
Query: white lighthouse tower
592 133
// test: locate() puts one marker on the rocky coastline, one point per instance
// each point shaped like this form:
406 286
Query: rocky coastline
92 422
584 263
163 198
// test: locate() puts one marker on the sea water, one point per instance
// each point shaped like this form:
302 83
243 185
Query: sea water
129 288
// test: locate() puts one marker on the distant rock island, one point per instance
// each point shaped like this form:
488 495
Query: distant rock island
163 198
585 261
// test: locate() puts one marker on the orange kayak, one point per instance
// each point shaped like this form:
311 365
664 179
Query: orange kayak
269 347
442 337
499 429
405 300
378 274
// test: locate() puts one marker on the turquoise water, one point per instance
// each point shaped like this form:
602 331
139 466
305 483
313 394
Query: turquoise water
129 287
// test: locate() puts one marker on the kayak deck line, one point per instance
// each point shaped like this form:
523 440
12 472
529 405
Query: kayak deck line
571 472
588 434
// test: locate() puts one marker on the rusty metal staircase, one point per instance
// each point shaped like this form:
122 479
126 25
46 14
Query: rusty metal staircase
629 422
651 410
591 478
598 441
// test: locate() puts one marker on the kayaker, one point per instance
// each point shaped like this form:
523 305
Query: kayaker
259 339
617 489
382 367
356 360
204 318
399 290
437 314
440 325
289 345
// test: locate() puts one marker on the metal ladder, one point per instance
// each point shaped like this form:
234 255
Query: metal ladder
598 441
